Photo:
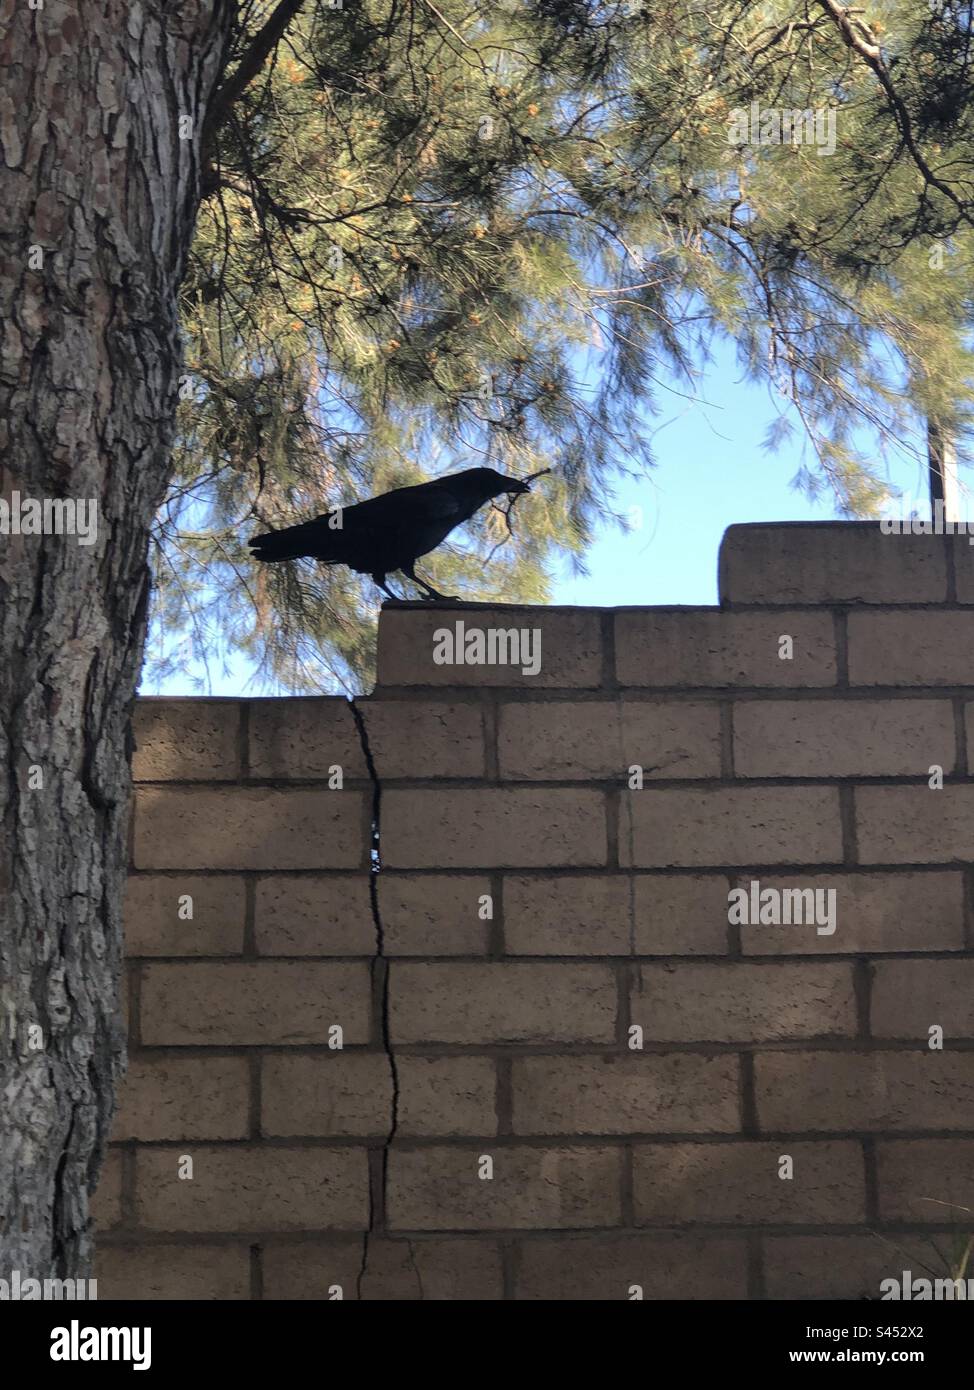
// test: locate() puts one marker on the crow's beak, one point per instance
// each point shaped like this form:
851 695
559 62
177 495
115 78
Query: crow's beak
517 487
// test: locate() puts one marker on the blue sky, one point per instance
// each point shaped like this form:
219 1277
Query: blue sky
711 472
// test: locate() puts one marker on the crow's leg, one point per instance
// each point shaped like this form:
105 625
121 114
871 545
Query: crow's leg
410 573
380 579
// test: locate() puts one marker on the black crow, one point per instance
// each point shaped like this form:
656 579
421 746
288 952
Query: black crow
389 532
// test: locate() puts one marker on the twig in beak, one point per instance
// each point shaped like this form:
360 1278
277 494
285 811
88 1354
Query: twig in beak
506 511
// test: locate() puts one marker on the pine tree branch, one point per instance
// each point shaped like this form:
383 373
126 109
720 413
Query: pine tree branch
247 69
853 35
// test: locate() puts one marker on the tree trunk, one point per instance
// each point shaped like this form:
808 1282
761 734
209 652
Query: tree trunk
101 105
942 471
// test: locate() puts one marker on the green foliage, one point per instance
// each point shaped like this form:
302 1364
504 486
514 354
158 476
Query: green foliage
435 235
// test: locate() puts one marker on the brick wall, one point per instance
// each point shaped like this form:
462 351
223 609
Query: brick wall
505 1036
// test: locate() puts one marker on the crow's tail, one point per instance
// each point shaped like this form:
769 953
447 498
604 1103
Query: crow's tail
289 544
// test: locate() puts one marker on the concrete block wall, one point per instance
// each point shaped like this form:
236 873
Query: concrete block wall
543 979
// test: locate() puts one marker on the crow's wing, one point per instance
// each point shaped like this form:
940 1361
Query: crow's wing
375 535
402 509
385 532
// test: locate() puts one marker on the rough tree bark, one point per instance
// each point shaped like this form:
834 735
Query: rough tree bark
101 107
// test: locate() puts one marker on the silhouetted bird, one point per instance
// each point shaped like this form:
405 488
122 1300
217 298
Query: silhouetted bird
389 532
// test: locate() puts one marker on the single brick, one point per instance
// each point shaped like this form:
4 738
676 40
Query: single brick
429 1270
570 646
106 1204
927 1180
924 647
344 1094
434 914
706 647
472 828
441 1096
873 912
441 1189
424 738
319 1270
911 996
743 1002
314 915
963 567
829 562
739 1183
969 733
614 1267
304 738
156 921
335 1094
124 1012
713 826
250 828
854 1266
185 1272
190 740
568 915
183 1098
556 739
252 1189
865 1091
915 824
510 1002
254 1003
634 1094
681 914
842 738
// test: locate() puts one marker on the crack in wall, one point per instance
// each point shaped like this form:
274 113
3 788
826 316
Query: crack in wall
380 965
